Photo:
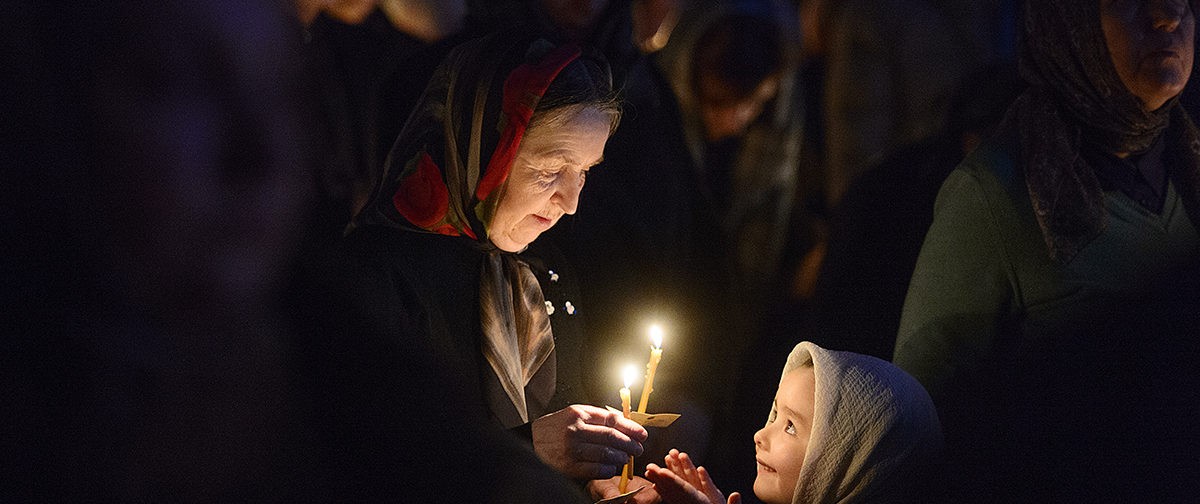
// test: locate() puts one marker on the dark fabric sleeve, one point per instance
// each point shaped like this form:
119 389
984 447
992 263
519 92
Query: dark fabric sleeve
523 431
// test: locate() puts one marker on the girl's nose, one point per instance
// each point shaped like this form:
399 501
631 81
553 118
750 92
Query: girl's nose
760 438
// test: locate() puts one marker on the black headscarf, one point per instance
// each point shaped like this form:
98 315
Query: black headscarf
1076 97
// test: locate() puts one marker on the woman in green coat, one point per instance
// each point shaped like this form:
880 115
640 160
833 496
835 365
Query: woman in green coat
1050 274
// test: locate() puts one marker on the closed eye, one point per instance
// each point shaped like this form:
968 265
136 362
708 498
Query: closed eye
545 178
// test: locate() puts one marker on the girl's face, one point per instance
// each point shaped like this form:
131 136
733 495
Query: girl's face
1151 44
547 175
783 443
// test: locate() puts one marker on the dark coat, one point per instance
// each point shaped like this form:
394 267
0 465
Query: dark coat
1055 383
432 282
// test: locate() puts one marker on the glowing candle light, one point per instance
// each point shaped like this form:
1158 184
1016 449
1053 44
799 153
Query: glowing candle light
629 374
656 336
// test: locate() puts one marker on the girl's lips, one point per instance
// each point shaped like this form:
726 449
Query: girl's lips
764 467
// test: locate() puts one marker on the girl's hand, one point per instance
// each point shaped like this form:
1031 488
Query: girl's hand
681 482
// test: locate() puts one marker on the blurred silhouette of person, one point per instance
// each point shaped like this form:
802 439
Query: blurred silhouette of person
351 48
157 210
889 78
159 180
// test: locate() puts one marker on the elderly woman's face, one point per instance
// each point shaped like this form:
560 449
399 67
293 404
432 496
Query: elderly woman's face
1151 45
546 177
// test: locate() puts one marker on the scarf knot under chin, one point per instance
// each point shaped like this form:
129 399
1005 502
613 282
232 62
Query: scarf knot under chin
518 343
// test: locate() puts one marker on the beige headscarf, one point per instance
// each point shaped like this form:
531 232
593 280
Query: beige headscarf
874 429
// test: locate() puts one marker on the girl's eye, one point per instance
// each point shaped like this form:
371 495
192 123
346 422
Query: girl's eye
771 417
790 428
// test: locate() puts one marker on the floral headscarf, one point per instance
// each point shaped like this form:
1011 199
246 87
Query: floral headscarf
1076 97
874 428
442 177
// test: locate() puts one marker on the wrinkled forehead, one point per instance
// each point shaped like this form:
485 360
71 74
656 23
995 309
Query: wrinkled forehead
545 121
577 139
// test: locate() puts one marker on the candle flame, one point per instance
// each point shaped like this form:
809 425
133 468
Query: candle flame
629 374
656 335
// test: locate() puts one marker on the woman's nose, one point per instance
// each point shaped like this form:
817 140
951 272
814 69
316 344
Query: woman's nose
1167 14
567 192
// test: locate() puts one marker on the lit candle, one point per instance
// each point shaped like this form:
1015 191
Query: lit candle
656 336
629 374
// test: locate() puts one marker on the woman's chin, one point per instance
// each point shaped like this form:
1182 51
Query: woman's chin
1157 88
513 243
509 246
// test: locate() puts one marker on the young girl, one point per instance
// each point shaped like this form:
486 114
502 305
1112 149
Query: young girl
844 428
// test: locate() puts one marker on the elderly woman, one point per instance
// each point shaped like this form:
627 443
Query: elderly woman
1065 225
495 153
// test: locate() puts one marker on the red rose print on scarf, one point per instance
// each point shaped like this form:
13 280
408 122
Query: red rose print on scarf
422 197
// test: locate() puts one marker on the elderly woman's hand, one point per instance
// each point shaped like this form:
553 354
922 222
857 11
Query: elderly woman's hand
586 442
611 487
